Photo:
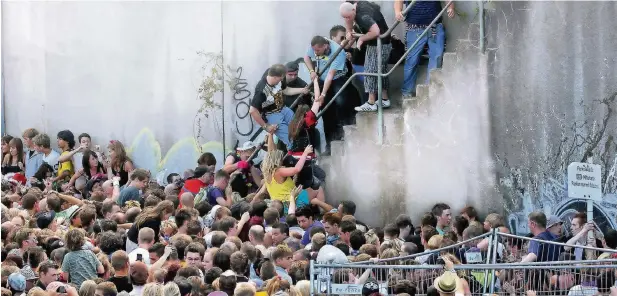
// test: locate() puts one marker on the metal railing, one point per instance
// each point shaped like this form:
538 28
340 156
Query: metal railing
485 276
379 73
510 279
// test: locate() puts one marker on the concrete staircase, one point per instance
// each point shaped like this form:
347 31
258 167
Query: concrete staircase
422 140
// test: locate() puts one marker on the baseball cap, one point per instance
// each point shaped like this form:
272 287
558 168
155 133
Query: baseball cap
52 244
552 221
139 273
44 219
292 67
17 282
72 211
370 287
248 145
20 178
28 273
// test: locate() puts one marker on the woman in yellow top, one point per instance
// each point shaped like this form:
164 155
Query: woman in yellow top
278 179
66 142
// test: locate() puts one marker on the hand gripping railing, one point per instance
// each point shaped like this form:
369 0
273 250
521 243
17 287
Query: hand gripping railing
330 61
379 73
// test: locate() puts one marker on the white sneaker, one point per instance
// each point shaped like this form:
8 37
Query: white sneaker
385 103
366 107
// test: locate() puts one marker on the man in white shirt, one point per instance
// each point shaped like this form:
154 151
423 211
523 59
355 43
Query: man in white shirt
42 144
145 240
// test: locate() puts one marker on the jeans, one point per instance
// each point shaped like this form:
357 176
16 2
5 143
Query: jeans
436 43
282 119
358 82
338 115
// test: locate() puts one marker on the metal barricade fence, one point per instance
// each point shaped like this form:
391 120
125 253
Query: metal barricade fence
495 270
557 278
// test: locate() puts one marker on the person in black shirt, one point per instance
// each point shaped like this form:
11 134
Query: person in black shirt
268 100
355 62
294 81
371 23
120 263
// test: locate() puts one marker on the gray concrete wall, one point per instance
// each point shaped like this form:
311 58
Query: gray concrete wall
553 80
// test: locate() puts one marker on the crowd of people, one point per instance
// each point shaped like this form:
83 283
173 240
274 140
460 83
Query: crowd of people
85 220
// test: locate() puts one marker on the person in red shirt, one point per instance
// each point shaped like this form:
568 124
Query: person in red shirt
201 178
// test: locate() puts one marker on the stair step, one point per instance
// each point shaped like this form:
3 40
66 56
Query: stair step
350 132
422 91
394 128
337 148
436 76
450 60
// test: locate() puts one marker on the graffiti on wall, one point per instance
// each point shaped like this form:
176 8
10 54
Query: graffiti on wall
542 183
145 151
211 93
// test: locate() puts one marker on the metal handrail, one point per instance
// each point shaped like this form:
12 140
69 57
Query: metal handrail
330 61
380 75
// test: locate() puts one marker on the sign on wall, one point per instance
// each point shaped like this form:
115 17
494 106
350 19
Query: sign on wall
585 181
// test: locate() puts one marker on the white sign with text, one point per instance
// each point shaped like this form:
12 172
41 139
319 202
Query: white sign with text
353 289
585 181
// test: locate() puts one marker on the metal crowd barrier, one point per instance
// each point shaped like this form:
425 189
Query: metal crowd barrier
488 274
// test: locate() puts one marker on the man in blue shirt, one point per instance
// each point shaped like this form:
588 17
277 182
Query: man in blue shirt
330 81
418 18
539 251
304 216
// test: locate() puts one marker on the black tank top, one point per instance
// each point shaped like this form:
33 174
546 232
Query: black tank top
123 174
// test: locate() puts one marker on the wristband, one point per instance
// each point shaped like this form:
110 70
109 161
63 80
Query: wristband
312 71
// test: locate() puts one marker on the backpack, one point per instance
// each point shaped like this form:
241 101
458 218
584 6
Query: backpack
203 192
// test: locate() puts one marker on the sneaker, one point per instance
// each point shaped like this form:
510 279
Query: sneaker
385 103
366 107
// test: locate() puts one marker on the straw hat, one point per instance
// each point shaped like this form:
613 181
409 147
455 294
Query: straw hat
447 283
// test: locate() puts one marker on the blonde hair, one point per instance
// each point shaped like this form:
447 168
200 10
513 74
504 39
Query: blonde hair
36 291
87 288
171 289
276 284
105 262
153 289
164 207
271 162
244 289
169 224
435 242
303 287
121 156
371 237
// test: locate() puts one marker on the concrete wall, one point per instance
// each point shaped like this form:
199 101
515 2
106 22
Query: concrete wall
131 71
553 81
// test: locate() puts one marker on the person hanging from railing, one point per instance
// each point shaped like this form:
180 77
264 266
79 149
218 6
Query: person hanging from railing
329 83
354 63
420 16
301 132
294 81
279 179
268 102
371 23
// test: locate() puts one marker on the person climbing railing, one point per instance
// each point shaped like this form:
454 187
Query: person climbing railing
336 53
379 73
